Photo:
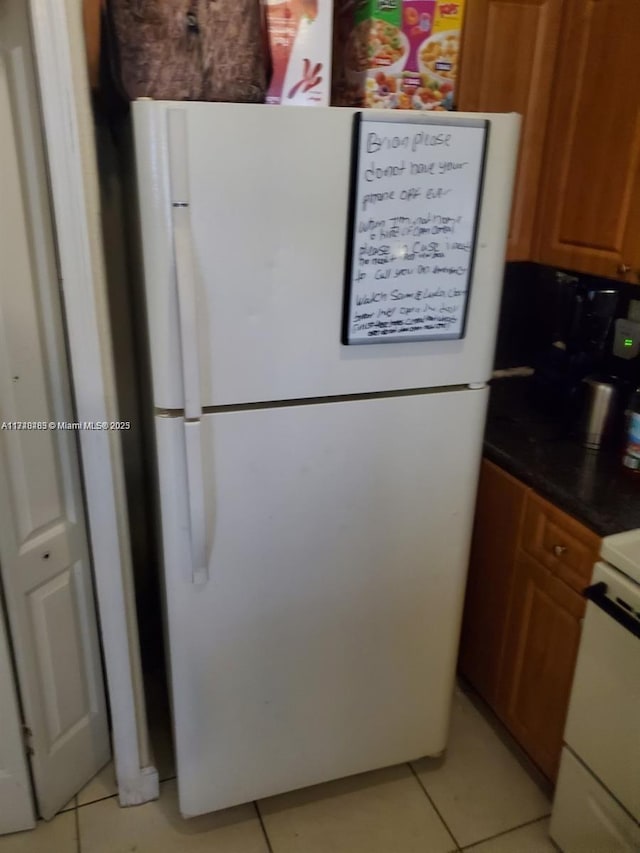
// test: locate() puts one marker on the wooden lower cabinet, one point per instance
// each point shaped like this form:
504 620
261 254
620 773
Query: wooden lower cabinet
499 513
542 633
521 627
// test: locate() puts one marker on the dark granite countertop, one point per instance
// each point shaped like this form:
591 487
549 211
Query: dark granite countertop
589 485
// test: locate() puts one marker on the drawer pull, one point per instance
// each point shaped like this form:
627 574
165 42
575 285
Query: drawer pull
559 550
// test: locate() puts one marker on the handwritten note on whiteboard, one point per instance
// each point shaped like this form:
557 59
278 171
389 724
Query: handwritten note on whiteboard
414 205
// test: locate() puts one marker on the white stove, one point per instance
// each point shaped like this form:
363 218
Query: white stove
623 552
597 802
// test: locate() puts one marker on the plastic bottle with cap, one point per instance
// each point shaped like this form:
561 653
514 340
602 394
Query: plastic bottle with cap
631 455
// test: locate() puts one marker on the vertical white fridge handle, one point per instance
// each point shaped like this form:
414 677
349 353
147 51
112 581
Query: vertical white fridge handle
192 405
196 497
184 262
185 280
188 320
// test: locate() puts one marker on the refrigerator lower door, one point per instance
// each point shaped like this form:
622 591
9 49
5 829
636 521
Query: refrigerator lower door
324 642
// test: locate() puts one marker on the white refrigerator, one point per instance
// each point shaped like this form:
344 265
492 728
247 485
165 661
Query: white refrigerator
315 498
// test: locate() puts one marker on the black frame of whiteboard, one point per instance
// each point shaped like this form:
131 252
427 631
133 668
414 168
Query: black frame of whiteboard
351 211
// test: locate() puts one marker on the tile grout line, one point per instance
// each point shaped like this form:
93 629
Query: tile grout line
77 820
507 831
99 800
80 805
263 827
433 805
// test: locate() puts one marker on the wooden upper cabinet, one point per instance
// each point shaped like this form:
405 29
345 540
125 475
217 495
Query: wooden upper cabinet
508 58
91 19
589 216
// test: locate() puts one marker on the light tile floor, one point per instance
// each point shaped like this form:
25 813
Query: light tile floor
479 797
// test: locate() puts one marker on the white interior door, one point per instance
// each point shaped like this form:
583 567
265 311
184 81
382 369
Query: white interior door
44 558
16 801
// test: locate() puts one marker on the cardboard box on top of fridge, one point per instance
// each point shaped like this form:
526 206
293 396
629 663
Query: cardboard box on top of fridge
397 55
299 36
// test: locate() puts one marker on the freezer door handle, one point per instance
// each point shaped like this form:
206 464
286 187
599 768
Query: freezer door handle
185 275
598 595
184 262
196 497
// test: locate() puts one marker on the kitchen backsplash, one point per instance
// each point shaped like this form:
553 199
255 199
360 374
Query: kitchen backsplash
530 310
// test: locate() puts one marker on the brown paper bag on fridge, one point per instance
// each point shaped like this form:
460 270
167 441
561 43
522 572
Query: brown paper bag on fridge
211 50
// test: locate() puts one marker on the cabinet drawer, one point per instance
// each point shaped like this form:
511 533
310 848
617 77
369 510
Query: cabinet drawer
559 542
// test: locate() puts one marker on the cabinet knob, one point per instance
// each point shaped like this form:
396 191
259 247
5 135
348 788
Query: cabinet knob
559 550
623 269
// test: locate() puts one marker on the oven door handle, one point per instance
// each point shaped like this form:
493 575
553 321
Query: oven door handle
598 595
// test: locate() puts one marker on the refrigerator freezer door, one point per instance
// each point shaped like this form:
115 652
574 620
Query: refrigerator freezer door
324 642
267 192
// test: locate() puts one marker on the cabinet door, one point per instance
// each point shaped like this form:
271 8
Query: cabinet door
508 59
589 216
499 512
541 646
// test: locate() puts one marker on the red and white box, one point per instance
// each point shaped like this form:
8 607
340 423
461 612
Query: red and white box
300 41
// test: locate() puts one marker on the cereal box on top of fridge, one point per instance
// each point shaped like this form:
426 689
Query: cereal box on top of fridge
299 35
398 55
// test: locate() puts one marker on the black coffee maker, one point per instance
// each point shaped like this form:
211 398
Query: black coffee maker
579 346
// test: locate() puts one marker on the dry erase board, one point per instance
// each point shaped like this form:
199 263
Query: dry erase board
416 185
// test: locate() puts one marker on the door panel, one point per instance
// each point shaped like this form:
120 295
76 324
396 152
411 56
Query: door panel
324 641
58 652
268 207
44 559
16 799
